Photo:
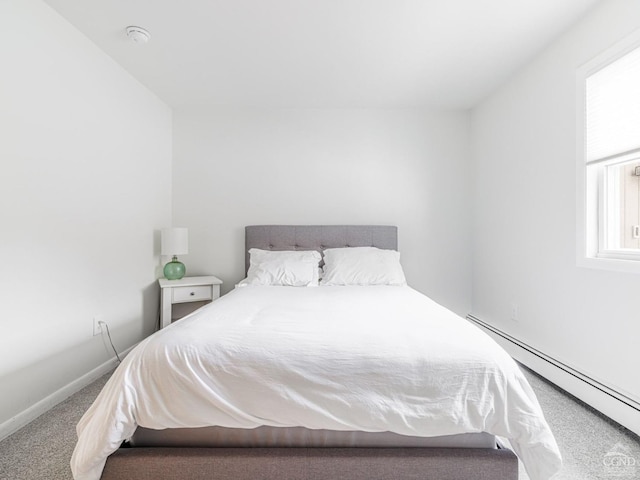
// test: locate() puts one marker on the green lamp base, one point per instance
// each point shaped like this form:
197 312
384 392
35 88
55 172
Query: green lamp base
174 270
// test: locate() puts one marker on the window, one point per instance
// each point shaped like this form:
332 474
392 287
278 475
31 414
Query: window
609 158
618 188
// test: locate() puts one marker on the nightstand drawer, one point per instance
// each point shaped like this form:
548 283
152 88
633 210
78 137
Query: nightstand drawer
186 295
191 294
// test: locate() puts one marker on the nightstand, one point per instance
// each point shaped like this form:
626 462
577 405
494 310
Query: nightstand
181 297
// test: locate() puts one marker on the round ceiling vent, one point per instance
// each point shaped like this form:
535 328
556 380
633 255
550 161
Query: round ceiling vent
138 34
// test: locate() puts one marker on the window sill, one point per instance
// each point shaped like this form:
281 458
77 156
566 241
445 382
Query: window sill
610 263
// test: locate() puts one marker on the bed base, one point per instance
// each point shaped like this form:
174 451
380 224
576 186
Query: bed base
158 463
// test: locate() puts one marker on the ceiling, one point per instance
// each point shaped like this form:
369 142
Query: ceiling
323 53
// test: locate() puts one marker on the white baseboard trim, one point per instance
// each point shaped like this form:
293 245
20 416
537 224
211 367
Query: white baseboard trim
616 405
34 411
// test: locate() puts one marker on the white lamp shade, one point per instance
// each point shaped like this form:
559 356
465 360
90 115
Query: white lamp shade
175 241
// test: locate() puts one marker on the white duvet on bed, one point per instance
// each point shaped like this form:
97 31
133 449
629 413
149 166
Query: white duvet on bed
344 358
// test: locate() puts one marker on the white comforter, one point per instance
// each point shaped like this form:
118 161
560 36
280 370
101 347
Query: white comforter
342 358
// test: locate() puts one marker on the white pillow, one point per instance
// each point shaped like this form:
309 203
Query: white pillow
362 266
286 268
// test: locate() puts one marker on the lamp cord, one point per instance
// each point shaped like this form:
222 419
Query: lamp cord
111 341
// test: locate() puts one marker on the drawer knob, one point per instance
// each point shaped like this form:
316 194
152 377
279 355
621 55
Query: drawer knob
192 293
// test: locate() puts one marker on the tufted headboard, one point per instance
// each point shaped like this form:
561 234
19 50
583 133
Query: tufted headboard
318 237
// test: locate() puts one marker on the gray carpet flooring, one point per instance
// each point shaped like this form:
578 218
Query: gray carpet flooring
42 449
584 436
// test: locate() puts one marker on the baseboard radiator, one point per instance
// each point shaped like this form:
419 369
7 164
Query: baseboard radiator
617 405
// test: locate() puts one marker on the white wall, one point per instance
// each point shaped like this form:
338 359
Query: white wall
401 167
524 236
85 182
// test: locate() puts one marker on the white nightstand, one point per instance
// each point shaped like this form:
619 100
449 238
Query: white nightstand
193 292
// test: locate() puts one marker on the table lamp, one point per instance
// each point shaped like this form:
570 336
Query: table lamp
175 241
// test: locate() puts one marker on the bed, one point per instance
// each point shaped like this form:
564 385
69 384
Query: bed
316 383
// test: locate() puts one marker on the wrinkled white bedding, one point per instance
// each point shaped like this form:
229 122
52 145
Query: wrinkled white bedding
344 358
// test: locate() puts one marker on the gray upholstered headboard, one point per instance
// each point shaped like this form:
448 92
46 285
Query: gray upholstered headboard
318 237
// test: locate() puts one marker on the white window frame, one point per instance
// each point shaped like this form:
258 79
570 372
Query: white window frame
590 207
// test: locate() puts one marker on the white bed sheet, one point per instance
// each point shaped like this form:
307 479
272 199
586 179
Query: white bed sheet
376 358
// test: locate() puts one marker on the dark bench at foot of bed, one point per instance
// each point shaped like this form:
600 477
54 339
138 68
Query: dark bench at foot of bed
311 464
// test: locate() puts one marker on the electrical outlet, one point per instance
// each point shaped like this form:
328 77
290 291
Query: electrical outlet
514 312
97 328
